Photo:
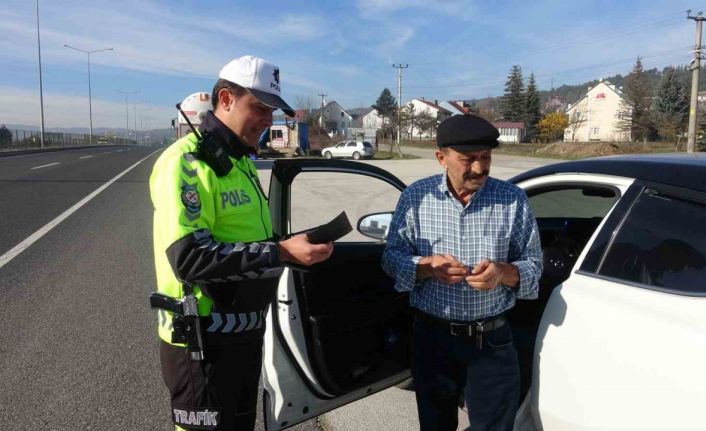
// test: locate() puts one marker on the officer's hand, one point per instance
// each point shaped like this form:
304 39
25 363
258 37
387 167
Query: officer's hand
487 275
298 249
441 267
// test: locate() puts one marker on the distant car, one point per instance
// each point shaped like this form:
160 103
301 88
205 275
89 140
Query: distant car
616 340
353 149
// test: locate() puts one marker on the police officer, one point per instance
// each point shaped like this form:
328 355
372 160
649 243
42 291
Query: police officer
213 233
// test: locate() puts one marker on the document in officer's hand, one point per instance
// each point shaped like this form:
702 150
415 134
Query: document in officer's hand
331 231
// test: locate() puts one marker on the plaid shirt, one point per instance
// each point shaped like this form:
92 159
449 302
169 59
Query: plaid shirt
497 224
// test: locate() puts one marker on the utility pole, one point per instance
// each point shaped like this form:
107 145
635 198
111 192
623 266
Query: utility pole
321 115
41 93
399 103
695 67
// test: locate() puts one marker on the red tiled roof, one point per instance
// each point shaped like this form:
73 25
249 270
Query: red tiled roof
509 125
460 107
444 110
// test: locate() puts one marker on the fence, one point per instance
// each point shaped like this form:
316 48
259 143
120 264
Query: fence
13 139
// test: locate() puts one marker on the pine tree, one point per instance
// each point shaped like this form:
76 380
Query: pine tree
386 107
532 108
513 102
636 104
671 106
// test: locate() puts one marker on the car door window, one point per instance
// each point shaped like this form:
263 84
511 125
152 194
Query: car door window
351 144
567 216
661 245
571 210
333 192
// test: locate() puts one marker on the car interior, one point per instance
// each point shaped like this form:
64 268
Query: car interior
567 217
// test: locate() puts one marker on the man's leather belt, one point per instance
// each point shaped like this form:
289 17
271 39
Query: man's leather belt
467 329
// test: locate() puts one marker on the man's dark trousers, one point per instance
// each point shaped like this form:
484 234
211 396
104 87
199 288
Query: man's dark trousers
443 365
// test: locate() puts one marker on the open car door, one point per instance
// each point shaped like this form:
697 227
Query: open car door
337 331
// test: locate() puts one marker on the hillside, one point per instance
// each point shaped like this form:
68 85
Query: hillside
570 93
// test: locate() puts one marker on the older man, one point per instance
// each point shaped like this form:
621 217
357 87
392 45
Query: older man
465 245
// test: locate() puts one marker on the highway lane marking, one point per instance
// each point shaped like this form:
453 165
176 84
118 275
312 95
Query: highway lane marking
107 152
19 248
44 166
84 157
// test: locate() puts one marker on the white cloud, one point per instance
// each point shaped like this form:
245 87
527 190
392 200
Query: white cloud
147 38
21 106
375 8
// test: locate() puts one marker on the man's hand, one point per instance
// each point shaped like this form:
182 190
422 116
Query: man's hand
298 249
487 275
441 267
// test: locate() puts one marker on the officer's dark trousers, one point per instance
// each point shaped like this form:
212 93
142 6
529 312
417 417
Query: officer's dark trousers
225 381
444 365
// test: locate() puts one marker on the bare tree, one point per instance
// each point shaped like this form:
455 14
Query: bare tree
308 105
425 123
576 120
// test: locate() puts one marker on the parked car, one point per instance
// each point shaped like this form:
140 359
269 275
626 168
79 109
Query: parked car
353 149
617 339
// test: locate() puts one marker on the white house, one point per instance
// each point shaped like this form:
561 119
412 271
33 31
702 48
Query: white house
510 131
366 122
595 116
366 118
433 108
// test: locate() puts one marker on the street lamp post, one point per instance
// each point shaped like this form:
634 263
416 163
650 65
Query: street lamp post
134 116
90 108
41 93
127 121
143 122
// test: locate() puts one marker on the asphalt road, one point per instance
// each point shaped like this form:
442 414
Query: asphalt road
78 345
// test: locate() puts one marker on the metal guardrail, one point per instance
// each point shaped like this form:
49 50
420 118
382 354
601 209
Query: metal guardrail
18 139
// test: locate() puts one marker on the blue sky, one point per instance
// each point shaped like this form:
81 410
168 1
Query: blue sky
168 49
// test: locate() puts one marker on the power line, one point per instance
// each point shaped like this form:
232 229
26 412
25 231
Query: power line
472 84
612 34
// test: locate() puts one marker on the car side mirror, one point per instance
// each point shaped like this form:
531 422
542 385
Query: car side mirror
375 225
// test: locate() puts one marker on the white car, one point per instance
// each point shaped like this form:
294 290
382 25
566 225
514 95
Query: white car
617 339
353 149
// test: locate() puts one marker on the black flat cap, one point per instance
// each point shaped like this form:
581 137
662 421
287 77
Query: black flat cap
467 133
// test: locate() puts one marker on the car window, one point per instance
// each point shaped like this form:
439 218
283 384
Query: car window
660 244
341 145
567 215
333 192
351 144
367 145
572 201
